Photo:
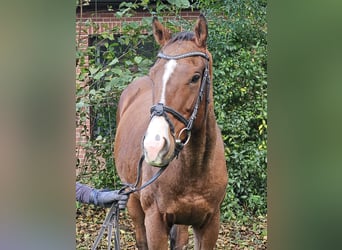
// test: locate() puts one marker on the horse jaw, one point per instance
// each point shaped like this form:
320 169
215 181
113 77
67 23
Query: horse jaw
158 151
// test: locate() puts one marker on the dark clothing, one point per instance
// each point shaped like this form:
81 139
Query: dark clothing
83 193
102 198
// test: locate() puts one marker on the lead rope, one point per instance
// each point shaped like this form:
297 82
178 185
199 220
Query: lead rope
112 217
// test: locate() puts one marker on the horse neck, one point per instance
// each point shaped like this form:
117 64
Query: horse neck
201 147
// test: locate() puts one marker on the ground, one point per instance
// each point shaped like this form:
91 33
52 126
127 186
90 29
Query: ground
233 235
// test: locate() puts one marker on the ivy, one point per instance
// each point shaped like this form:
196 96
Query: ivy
238 46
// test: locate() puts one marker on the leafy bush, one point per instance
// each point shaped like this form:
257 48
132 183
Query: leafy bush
114 61
238 46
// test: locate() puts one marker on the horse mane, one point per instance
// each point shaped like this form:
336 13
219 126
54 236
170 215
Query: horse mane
182 36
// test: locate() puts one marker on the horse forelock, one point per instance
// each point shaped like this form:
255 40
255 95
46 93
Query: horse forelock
182 36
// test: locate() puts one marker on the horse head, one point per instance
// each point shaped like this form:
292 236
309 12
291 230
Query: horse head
181 80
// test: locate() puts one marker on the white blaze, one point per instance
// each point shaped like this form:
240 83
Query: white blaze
156 142
169 68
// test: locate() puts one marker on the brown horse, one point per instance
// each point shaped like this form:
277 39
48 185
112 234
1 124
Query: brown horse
168 116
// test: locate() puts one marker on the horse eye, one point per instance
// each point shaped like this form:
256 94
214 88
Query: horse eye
195 78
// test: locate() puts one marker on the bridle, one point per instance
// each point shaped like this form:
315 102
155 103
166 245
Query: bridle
160 109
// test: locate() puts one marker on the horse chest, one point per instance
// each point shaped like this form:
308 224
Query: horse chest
191 210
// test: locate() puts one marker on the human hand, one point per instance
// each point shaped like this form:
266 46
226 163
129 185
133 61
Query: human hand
107 198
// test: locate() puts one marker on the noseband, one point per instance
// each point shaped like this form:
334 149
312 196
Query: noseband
161 110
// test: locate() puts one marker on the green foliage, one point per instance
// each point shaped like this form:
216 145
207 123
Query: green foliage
238 46
114 61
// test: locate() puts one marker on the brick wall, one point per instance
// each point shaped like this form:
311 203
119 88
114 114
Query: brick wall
106 21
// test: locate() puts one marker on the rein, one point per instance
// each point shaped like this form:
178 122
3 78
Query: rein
112 217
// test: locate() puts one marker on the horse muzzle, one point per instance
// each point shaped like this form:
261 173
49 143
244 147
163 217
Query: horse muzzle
158 144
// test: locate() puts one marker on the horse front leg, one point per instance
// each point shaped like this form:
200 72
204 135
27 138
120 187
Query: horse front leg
206 235
137 215
156 230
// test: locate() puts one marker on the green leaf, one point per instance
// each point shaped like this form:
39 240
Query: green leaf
80 105
138 59
180 3
99 75
114 61
93 70
117 71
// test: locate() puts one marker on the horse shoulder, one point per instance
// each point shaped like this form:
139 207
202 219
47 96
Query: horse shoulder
127 144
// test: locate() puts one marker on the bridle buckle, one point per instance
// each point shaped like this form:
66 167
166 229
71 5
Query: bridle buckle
158 109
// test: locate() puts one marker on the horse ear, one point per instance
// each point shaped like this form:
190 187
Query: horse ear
201 31
161 34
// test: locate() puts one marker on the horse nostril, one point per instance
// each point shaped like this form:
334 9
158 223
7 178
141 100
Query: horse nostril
165 147
156 146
